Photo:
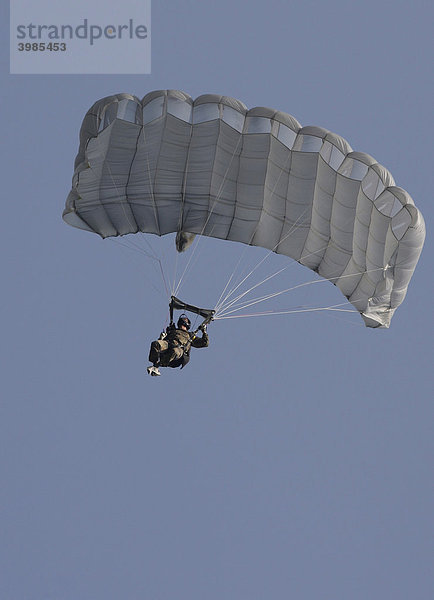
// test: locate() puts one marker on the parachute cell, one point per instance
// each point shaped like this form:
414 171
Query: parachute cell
168 164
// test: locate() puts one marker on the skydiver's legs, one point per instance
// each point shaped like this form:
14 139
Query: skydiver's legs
160 355
157 347
171 355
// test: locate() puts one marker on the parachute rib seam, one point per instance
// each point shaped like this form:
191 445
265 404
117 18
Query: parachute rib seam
383 245
117 98
128 181
331 241
364 275
212 203
281 236
152 183
315 205
78 180
99 186
220 189
361 274
151 188
314 195
237 183
184 181
241 138
122 204
267 168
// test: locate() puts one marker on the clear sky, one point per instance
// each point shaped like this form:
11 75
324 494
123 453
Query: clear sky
293 458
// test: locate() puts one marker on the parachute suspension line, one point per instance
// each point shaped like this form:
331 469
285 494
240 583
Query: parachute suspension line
292 229
157 225
163 276
225 307
141 252
290 264
130 245
173 290
217 198
225 312
134 245
152 255
220 301
233 302
254 301
333 307
269 253
137 246
269 296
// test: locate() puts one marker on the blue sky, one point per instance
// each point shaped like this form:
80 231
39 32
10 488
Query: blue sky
293 457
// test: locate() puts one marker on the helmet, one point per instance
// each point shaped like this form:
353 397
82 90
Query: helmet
184 320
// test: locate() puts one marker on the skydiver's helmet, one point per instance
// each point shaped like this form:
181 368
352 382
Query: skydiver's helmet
184 320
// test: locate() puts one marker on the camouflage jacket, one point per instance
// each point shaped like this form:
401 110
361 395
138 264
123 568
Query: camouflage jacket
179 337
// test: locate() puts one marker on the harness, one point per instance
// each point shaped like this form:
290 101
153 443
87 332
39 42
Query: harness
207 314
177 343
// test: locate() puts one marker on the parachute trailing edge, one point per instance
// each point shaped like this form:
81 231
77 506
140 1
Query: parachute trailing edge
211 167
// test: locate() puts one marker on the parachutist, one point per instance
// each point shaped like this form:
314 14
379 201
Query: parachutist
172 349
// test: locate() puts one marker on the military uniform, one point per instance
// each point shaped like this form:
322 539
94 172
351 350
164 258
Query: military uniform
173 349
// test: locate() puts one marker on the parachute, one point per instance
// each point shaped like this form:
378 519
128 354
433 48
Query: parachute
211 167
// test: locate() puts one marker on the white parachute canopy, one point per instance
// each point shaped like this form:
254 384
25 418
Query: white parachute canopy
212 167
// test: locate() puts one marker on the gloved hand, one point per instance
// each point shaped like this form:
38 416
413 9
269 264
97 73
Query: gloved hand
202 328
163 335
